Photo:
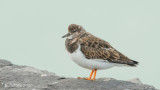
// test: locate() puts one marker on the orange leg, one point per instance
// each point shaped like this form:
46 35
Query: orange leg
94 77
90 77
91 74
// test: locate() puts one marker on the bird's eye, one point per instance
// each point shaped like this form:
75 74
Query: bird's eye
74 30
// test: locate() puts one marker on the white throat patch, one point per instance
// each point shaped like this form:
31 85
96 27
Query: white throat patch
70 37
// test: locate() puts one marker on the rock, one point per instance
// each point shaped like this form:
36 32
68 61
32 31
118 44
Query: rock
15 77
135 80
1 85
5 63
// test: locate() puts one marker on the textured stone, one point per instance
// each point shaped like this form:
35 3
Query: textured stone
15 77
5 63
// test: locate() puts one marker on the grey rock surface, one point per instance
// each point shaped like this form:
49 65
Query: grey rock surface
5 63
16 77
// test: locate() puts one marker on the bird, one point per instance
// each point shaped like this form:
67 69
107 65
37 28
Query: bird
93 53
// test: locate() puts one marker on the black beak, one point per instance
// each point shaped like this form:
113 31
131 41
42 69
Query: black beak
68 34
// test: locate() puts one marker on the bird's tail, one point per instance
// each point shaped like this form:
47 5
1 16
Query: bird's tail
133 63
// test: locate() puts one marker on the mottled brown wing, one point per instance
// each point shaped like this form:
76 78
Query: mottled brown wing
95 48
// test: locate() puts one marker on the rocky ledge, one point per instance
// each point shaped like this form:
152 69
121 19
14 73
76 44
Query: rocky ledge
16 77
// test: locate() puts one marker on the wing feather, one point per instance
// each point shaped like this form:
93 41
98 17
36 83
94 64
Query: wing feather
95 48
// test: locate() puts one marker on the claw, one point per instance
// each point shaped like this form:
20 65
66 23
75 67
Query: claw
86 78
90 79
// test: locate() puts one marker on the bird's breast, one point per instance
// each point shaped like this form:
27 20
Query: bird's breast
71 45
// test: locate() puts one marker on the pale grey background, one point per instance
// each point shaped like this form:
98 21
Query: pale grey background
31 30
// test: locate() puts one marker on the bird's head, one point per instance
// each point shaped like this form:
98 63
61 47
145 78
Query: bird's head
74 31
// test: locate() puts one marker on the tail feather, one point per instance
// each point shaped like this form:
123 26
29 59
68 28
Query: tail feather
133 63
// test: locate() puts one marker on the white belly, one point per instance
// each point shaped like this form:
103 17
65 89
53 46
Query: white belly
79 58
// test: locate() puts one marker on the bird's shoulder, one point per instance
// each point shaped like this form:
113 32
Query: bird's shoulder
93 42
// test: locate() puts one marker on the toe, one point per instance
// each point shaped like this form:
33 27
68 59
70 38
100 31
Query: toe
86 78
80 78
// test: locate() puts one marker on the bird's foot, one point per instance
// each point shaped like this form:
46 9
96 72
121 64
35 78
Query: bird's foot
86 78
90 79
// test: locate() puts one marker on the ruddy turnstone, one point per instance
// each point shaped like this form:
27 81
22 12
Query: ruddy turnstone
91 52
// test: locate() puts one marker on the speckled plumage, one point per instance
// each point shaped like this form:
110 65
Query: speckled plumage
93 47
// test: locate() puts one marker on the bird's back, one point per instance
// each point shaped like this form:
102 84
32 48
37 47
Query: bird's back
95 48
